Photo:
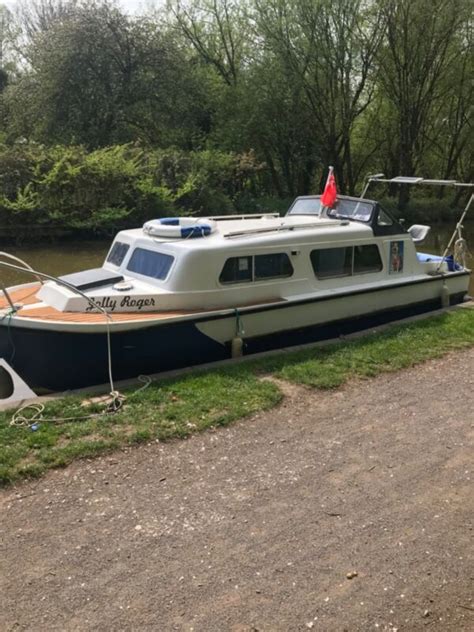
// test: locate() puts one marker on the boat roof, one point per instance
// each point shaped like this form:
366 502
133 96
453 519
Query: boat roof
262 231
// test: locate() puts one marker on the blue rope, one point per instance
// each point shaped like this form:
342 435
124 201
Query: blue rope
239 328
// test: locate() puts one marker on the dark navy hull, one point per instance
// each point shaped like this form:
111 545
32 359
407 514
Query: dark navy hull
56 361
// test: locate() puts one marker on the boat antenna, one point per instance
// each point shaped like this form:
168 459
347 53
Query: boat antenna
369 180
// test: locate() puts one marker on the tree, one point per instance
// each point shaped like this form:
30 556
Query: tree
328 51
420 52
98 77
7 37
449 138
270 116
37 16
218 31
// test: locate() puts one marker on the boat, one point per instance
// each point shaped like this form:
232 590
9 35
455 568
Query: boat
184 291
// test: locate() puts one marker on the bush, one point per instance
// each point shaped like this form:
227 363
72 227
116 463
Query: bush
209 182
116 187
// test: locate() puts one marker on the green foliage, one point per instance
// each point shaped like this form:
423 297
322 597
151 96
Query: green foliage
71 188
208 182
233 101
102 191
119 186
425 210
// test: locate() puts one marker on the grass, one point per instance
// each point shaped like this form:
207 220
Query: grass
179 407
398 347
171 409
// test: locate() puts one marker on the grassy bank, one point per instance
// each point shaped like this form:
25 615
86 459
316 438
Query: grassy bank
180 407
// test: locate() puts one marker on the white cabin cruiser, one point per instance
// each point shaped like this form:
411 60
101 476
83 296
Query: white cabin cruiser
180 291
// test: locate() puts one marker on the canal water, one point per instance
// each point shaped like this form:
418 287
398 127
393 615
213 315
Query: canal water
69 256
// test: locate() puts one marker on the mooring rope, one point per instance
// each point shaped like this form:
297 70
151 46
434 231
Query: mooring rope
461 251
90 300
117 401
20 418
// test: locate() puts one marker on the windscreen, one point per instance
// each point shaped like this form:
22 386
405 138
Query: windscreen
305 206
351 209
343 209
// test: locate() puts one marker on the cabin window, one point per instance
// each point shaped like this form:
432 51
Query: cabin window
258 268
367 259
332 262
117 253
150 263
272 266
237 270
338 262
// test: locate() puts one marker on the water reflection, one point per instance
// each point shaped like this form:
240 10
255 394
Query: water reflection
56 258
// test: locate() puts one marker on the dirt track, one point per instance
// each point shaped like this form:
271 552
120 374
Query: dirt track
256 526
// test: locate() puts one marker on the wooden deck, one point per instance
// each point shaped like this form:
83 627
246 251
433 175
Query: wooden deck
27 296
51 314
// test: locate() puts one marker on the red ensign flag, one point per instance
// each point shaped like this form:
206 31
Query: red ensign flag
330 191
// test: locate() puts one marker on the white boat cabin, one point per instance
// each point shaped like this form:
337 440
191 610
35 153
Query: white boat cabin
246 260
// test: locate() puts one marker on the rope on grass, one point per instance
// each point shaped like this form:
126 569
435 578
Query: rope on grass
20 419
31 415
146 380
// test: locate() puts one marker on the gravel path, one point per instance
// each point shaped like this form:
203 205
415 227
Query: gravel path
257 526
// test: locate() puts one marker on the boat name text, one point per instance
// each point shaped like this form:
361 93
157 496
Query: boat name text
111 304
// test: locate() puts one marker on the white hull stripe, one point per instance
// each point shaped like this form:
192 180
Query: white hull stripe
451 279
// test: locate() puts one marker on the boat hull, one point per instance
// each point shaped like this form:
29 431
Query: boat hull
56 360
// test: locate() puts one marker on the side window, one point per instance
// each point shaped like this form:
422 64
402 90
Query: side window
150 263
383 219
247 269
272 266
118 252
237 270
332 262
367 259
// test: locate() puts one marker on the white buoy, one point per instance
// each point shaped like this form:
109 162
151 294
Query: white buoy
445 295
237 347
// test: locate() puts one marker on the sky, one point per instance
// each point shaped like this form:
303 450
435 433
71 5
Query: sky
133 6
